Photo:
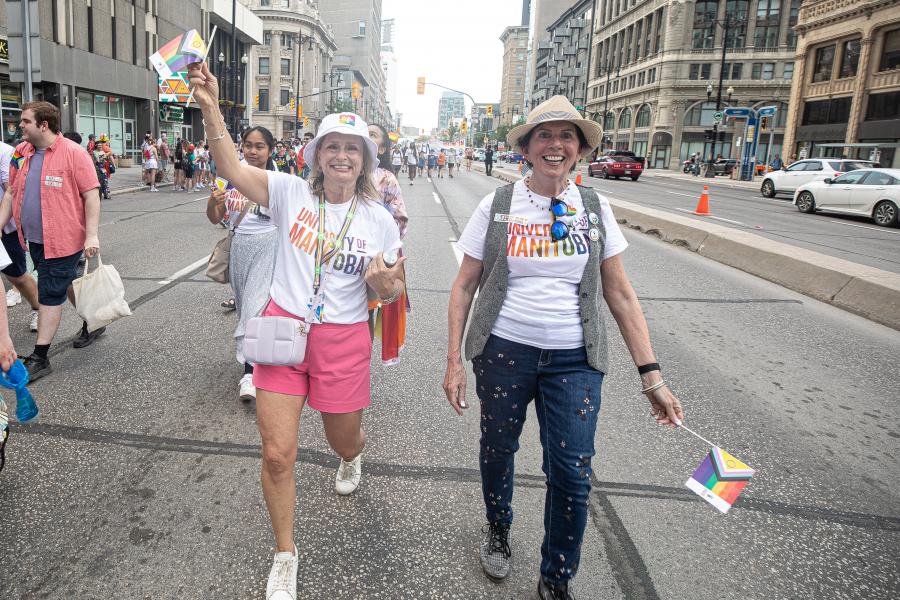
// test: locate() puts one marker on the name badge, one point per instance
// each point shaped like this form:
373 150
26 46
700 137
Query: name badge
500 218
53 180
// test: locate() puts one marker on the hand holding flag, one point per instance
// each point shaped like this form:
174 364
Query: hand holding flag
178 53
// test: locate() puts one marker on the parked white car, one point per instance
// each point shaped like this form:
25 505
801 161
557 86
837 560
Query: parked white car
873 193
804 171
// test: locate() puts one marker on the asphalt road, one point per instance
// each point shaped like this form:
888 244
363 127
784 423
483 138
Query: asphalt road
140 478
855 239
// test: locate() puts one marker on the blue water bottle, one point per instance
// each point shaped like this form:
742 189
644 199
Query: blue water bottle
16 379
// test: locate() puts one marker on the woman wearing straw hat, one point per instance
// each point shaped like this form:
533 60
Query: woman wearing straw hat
544 255
332 237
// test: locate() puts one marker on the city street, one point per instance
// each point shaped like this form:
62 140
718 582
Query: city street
855 239
140 478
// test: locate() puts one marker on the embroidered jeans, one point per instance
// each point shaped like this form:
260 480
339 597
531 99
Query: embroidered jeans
566 391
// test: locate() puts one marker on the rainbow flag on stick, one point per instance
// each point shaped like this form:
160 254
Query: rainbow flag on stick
178 53
719 479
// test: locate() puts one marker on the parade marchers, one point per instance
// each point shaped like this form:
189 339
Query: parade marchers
341 186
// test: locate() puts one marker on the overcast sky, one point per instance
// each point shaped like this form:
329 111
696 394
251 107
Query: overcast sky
454 43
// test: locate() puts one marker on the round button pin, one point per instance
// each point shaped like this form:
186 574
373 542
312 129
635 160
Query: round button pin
594 234
593 218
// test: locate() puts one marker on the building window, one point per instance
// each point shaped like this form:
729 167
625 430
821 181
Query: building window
824 61
701 114
265 2
890 53
285 66
766 37
637 36
610 123
362 29
287 41
883 107
263 66
643 117
263 100
732 70
788 72
625 119
737 36
827 112
849 58
285 97
700 70
267 38
704 23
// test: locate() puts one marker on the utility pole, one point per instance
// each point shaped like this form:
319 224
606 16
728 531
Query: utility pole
726 24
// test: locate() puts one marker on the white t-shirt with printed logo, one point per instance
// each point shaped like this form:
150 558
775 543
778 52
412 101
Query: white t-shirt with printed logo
295 212
542 307
257 220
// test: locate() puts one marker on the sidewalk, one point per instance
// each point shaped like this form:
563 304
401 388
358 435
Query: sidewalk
871 293
128 179
723 181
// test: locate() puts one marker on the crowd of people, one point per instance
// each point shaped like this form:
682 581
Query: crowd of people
317 228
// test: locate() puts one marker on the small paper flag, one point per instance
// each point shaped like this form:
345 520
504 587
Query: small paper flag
222 184
178 53
719 479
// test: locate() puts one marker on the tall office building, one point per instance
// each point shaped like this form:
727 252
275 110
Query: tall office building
357 33
515 61
389 67
542 14
452 105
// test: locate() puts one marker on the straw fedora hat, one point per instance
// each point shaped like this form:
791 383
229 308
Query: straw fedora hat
556 108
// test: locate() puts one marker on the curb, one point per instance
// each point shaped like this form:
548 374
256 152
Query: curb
866 291
136 188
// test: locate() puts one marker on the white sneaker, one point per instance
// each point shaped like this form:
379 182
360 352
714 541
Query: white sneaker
33 324
282 583
153 189
13 297
248 390
348 474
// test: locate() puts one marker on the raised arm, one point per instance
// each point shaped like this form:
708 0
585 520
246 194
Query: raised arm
250 181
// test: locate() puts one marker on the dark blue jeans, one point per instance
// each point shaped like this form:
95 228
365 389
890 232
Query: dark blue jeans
566 392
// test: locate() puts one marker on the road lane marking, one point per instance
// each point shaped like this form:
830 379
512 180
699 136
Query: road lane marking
437 199
680 194
710 216
182 272
878 229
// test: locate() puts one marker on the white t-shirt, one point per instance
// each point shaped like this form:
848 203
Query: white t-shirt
258 218
542 307
396 158
410 157
295 212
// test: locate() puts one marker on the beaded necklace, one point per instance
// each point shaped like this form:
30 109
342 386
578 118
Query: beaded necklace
533 202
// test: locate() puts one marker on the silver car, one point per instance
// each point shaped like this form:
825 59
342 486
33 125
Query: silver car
873 193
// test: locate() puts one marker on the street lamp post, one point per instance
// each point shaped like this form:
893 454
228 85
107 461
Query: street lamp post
299 39
232 74
725 24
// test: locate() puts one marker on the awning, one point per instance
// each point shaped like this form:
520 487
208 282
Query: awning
862 145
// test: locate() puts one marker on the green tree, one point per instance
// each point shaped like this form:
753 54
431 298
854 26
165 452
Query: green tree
452 130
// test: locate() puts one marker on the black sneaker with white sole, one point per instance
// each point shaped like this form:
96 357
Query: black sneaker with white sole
495 551
546 591
37 367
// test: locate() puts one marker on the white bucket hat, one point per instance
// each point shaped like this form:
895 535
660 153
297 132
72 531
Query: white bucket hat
556 108
349 123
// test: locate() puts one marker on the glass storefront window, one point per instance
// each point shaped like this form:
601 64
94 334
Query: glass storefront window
101 106
130 110
85 103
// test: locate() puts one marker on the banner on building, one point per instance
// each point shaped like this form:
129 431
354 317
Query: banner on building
175 88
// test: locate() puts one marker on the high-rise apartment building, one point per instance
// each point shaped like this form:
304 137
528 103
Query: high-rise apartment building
452 105
289 67
562 59
515 64
542 14
656 67
845 100
357 33
389 67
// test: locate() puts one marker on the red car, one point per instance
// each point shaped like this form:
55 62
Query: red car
616 166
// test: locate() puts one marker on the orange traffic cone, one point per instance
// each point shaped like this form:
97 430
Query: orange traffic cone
578 179
703 204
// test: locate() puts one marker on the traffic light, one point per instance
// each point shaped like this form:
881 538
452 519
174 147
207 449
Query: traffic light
708 134
489 110
305 122
420 86
355 90
763 123
293 103
464 126
256 101
299 111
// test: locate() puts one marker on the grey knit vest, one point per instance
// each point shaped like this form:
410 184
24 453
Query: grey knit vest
495 277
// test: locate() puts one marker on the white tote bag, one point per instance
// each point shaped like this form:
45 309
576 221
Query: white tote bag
100 296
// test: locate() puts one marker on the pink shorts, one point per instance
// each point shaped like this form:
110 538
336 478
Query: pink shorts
335 373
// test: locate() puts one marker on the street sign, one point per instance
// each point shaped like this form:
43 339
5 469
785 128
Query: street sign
738 111
767 111
718 117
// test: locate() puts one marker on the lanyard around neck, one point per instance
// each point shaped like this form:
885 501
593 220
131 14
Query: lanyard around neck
323 254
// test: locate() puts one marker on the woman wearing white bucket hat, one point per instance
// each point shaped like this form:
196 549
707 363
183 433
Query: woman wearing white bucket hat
544 255
331 241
